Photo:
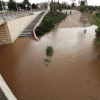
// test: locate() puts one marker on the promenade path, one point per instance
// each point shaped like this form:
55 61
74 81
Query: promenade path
71 21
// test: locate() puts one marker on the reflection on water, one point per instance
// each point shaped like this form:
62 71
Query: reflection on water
72 74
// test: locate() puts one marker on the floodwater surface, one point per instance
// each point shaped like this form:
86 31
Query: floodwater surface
72 74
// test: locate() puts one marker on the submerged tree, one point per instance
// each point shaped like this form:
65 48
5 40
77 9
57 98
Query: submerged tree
49 51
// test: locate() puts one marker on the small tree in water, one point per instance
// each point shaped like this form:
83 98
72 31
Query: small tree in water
49 51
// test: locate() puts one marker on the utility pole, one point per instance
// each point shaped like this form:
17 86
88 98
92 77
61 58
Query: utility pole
31 6
16 6
48 6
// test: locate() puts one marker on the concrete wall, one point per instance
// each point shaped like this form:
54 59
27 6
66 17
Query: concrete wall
5 37
12 28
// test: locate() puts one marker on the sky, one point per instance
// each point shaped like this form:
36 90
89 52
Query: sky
90 2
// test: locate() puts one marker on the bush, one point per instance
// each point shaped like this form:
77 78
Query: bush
96 19
82 10
97 33
48 22
49 51
38 32
98 15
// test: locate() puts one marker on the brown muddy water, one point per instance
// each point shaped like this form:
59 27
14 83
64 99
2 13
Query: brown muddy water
72 74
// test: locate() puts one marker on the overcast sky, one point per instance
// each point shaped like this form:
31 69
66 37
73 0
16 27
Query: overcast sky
90 2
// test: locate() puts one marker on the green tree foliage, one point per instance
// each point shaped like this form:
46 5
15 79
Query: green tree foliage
98 14
34 6
83 5
49 51
53 7
59 6
73 5
69 7
97 33
11 5
48 23
64 5
82 2
82 10
26 2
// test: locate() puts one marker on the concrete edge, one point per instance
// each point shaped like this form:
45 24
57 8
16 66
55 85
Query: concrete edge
38 23
6 90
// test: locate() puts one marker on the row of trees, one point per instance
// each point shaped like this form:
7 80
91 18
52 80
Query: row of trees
13 5
25 4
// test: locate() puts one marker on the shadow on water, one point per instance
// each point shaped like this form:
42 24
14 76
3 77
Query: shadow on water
9 60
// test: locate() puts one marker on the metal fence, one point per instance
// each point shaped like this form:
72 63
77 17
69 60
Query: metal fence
14 13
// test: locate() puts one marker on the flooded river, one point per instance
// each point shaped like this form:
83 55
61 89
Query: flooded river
72 74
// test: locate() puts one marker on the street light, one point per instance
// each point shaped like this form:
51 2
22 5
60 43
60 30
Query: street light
31 6
48 6
42 5
16 6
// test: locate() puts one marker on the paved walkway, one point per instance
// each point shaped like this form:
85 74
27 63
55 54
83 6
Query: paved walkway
71 21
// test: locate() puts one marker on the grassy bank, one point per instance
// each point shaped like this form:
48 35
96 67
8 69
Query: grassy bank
49 22
97 18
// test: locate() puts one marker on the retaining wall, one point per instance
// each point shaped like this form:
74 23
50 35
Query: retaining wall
13 27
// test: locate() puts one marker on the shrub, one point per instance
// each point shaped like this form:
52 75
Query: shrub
38 32
48 22
96 19
97 33
82 10
49 51
98 15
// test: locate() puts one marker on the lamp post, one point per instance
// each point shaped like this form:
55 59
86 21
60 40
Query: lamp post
43 6
16 6
48 6
31 6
